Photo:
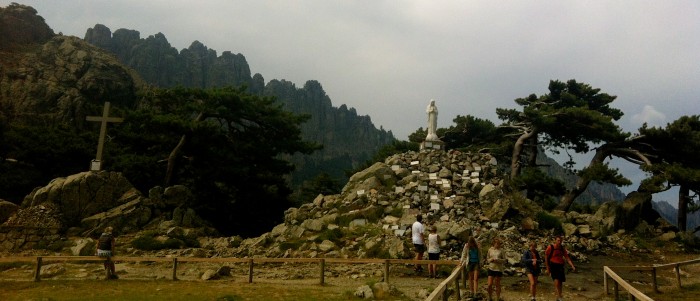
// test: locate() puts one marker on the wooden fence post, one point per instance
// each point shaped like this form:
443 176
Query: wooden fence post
323 267
616 292
653 280
37 272
605 282
175 268
463 274
250 271
678 274
457 288
386 270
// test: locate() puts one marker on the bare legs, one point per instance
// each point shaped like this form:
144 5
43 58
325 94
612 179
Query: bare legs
557 287
473 278
533 284
494 281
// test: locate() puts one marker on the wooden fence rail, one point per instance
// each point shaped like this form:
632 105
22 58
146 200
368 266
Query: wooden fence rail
442 292
633 292
41 260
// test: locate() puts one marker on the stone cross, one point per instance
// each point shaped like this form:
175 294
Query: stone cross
97 163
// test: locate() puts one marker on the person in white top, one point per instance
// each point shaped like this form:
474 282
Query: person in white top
496 260
433 251
417 230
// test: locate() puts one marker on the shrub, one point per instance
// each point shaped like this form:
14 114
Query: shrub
548 221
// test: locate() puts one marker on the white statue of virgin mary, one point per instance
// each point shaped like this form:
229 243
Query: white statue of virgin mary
432 122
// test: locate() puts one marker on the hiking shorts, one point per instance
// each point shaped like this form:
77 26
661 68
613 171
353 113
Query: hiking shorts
492 273
433 256
419 248
557 271
472 266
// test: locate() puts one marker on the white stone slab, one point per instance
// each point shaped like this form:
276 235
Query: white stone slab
394 227
438 182
415 162
398 189
475 180
415 171
432 176
434 197
406 206
395 167
475 174
434 206
385 227
446 185
399 232
361 192
423 188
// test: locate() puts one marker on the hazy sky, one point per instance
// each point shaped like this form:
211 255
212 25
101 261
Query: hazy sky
387 59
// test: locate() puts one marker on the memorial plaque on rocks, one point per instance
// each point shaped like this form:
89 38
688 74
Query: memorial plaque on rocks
395 167
434 206
415 171
361 192
415 162
398 189
475 174
422 188
432 176
434 197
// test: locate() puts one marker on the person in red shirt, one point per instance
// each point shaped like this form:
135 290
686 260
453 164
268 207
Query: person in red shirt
556 257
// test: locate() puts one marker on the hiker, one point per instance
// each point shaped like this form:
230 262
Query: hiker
533 265
496 260
417 230
105 248
556 256
471 257
433 251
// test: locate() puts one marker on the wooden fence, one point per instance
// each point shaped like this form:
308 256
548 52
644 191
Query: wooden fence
633 292
442 292
41 260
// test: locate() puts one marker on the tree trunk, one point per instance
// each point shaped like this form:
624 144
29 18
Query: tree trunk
683 196
518 151
174 154
582 183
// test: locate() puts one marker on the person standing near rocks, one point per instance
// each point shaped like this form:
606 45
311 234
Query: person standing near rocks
471 257
533 264
496 260
433 251
417 237
105 248
557 256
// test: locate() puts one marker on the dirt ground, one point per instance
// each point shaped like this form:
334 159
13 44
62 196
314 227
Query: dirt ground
583 285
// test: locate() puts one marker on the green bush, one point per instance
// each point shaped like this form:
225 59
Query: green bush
548 221
334 235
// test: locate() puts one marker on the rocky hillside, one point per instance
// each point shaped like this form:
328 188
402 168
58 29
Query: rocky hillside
60 79
348 138
460 193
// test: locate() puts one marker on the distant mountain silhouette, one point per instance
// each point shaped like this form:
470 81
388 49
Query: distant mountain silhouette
348 139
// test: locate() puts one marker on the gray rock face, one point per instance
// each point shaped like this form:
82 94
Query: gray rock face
6 210
85 194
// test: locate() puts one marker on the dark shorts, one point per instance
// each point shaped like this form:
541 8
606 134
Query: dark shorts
492 273
472 266
534 272
557 271
419 248
434 256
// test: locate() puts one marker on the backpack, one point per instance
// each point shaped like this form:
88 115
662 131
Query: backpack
549 256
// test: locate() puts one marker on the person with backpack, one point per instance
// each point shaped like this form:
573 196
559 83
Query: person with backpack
557 256
471 257
105 248
533 265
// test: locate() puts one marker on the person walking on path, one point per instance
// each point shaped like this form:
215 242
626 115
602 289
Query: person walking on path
105 248
471 257
417 236
496 260
533 265
557 256
433 251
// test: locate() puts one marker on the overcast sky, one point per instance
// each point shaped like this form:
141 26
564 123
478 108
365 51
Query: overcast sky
387 59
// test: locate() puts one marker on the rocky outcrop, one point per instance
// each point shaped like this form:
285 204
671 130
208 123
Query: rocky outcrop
6 210
20 25
63 81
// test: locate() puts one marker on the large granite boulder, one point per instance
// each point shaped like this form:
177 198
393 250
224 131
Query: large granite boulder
20 25
85 194
6 210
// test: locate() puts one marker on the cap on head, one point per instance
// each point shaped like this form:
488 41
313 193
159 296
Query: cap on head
108 230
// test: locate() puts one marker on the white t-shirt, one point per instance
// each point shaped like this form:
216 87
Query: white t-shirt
416 231
433 245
